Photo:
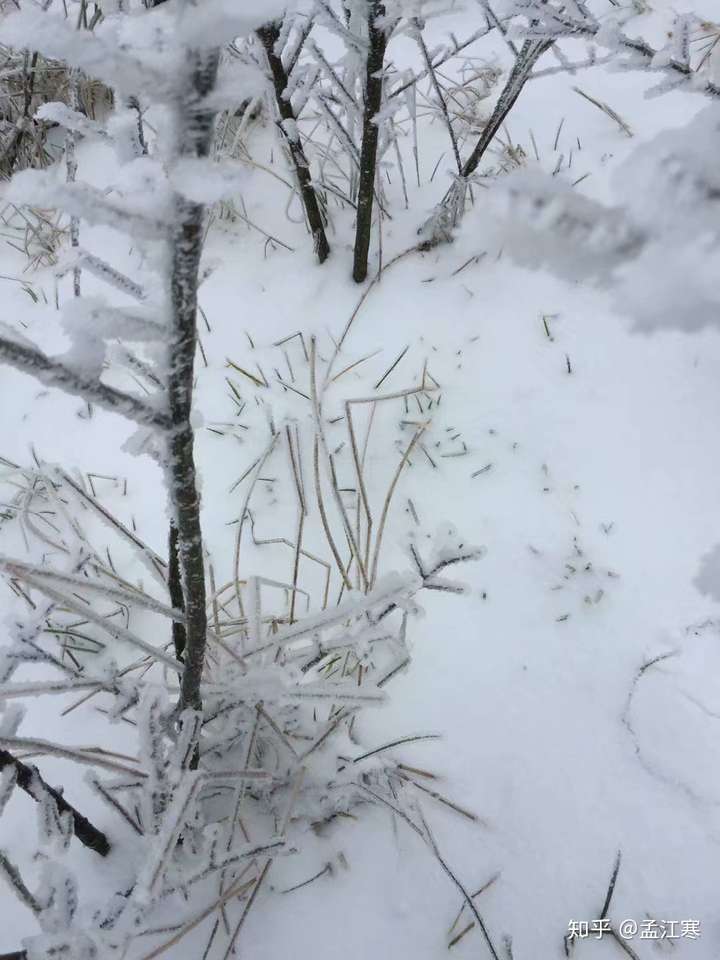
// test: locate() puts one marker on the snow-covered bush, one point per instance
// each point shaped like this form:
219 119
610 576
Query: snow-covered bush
198 799
346 112
239 700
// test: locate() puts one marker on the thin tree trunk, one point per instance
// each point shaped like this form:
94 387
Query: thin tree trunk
268 36
175 589
28 779
377 44
175 583
195 133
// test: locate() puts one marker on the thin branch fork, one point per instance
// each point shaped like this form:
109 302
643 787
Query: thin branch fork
530 53
450 211
438 92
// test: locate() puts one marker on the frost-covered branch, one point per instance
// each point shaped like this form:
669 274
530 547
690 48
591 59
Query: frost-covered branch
543 25
269 36
53 373
29 780
440 58
674 59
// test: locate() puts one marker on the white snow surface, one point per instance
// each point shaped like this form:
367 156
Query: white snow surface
599 500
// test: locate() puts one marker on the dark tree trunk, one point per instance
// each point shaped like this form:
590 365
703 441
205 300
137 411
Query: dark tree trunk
175 590
175 574
187 517
377 44
28 779
196 129
268 36
175 578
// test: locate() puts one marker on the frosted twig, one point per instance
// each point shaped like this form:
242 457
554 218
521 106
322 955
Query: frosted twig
53 373
80 755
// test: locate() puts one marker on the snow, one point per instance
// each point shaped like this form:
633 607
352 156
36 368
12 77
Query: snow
574 682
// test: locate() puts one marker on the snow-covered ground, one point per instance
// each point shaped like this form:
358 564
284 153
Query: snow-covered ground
582 456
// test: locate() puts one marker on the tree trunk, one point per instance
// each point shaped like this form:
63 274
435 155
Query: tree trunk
268 36
195 133
175 590
377 44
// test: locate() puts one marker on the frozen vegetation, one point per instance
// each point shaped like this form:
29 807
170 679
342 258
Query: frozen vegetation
359 511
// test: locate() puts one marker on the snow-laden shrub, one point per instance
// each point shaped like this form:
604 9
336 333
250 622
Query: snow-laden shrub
193 800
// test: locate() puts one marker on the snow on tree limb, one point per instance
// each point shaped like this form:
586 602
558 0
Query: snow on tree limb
55 374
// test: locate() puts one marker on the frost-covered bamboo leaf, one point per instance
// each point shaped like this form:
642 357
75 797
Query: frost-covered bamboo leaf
10 720
668 194
580 236
10 873
67 945
55 827
153 758
335 693
170 821
388 589
92 316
